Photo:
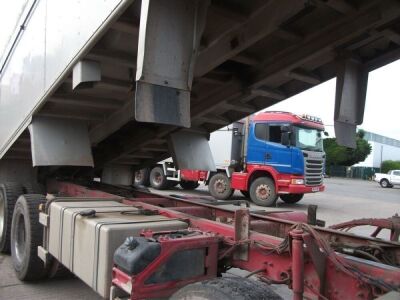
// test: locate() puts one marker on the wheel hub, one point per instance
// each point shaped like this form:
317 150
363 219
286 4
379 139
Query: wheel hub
263 191
158 178
138 176
2 214
220 186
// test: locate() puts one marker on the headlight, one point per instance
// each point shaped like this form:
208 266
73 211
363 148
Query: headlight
297 181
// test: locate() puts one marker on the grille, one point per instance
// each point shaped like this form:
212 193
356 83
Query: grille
313 171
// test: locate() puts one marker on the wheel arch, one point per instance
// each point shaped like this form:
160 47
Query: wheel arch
384 180
218 170
262 172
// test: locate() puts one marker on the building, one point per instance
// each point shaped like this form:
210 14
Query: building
383 148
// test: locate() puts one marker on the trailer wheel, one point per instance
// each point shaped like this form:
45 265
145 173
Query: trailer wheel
220 186
245 193
226 288
26 236
291 198
262 192
384 183
158 180
9 193
189 185
142 177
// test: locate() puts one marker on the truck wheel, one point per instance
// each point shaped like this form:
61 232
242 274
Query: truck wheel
142 177
291 198
245 193
33 188
189 185
220 186
9 193
262 192
384 183
157 179
172 183
226 288
26 236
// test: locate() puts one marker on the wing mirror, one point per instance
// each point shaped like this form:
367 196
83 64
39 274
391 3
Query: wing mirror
285 135
285 138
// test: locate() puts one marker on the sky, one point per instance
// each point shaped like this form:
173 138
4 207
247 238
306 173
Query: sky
382 110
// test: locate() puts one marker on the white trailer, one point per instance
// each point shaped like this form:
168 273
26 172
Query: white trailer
103 88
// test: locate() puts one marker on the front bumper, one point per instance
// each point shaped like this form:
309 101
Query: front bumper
300 189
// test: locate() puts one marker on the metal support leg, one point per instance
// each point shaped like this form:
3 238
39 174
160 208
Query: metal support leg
351 90
242 232
297 264
169 38
117 174
60 142
191 151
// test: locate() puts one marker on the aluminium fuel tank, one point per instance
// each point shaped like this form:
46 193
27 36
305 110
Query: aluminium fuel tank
83 236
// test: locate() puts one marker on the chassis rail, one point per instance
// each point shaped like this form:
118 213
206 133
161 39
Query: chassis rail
280 247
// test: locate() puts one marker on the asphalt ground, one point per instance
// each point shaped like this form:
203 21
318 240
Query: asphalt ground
343 200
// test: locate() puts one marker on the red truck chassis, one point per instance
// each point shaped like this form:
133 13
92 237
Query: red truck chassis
278 247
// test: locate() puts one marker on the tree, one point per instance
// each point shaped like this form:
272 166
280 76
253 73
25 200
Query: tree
388 165
343 156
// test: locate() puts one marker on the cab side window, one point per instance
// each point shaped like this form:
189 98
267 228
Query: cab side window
275 133
271 133
396 173
260 131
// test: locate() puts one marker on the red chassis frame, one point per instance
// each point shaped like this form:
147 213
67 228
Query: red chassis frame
194 175
278 250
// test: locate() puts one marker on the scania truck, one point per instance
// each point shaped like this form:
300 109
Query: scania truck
268 155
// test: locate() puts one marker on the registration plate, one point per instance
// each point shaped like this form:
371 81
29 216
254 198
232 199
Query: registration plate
315 189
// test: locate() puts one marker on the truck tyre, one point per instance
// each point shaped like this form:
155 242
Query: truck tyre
189 185
158 180
226 288
262 192
142 177
384 183
33 188
172 183
245 194
220 186
291 198
9 193
26 236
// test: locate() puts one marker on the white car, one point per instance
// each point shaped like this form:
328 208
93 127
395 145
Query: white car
388 180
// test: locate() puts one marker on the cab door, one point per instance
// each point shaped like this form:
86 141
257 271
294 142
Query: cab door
277 155
256 143
395 177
